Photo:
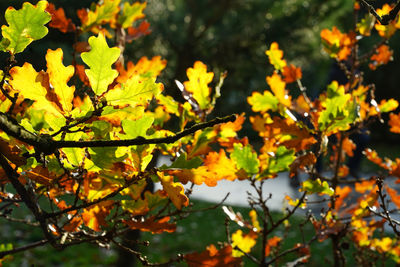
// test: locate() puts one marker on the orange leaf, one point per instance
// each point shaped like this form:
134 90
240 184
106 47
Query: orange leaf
59 20
271 242
175 191
291 73
382 56
394 123
278 88
136 32
364 186
212 257
144 66
95 216
348 146
394 196
153 225
341 193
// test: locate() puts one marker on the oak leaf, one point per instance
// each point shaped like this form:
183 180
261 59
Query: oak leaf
59 20
131 13
244 242
275 56
95 216
291 73
175 191
198 82
25 26
59 75
394 123
99 59
271 243
278 88
212 257
152 225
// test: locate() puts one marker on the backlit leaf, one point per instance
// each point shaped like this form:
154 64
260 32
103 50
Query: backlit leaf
275 56
291 73
212 257
131 13
263 102
59 75
99 59
32 85
243 241
271 243
382 56
316 186
135 91
95 216
394 123
103 13
59 20
198 82
279 162
366 24
245 158
153 225
25 25
339 111
175 191
138 127
278 88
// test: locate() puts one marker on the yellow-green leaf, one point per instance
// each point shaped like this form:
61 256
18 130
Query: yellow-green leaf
136 90
99 59
263 102
131 13
25 26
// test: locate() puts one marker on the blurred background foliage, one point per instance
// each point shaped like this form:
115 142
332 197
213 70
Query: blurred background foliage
232 36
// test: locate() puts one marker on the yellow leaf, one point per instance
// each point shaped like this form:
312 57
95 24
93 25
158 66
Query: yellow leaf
242 242
275 56
32 85
198 82
59 75
175 191
277 86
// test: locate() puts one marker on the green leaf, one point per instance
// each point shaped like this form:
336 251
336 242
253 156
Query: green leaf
25 26
183 163
316 186
101 129
339 111
135 91
104 157
280 162
138 127
74 155
99 59
245 158
263 102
